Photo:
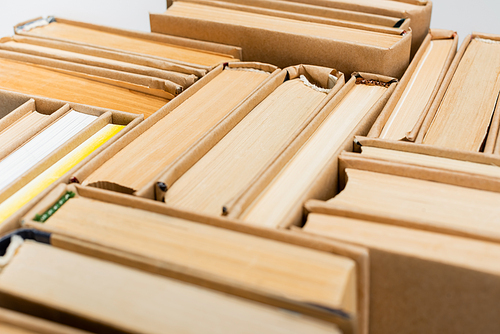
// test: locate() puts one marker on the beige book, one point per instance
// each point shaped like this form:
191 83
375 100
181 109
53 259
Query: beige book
273 272
24 45
142 159
421 281
112 296
37 80
285 192
307 12
12 322
20 127
317 14
254 20
80 34
421 204
417 94
486 169
464 115
419 12
237 158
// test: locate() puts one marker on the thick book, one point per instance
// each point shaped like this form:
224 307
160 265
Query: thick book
44 154
12 322
101 296
34 79
81 55
405 112
466 117
123 247
297 278
319 14
421 281
172 49
315 14
287 42
277 197
158 143
418 11
255 142
419 202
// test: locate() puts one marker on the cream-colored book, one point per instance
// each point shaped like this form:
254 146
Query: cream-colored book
236 159
273 272
421 204
452 282
105 39
12 322
26 45
417 94
285 192
465 113
111 296
20 127
490 170
42 145
67 86
254 20
47 177
142 159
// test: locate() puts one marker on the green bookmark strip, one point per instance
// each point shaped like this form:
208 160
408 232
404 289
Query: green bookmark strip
42 218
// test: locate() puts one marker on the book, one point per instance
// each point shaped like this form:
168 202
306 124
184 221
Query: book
420 204
12 322
273 272
317 14
206 12
420 87
230 166
68 86
286 191
417 274
57 52
427 160
105 301
287 42
419 12
20 127
466 110
167 139
47 177
86 34
39 147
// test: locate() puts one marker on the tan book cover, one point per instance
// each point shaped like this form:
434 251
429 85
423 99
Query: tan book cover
96 295
287 42
422 281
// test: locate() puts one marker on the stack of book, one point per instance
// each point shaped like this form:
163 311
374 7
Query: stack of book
104 67
355 190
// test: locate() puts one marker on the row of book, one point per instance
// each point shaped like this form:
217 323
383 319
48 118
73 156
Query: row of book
196 212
